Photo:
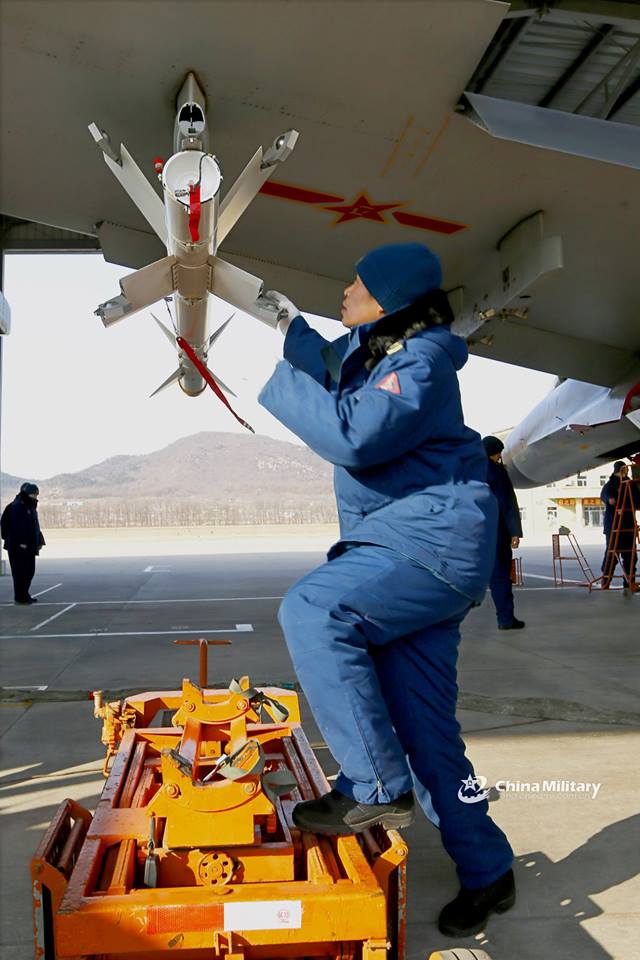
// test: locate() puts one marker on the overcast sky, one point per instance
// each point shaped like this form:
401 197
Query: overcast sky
75 393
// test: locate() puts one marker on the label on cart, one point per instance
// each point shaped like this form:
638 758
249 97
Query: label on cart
263 915
250 915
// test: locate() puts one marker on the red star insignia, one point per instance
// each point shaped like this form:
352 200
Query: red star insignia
362 209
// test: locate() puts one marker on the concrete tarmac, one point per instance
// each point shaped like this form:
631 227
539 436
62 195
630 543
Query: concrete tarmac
554 705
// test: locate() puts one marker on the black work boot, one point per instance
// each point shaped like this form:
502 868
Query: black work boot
334 814
514 625
468 913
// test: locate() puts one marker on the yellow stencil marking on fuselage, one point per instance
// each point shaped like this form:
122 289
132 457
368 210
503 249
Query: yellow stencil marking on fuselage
432 146
394 150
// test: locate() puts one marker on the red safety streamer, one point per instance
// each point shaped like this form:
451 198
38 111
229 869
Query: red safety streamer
194 211
199 365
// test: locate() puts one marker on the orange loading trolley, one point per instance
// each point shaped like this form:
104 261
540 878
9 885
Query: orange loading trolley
192 848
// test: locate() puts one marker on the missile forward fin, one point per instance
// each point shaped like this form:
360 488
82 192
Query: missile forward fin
241 193
248 184
150 284
237 287
127 171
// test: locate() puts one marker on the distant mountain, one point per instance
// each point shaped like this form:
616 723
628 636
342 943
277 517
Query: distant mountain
204 465
9 485
252 476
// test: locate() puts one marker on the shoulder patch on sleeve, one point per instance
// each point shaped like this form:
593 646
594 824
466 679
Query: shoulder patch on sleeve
389 383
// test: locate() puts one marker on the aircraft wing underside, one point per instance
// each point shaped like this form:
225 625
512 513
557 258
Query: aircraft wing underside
505 138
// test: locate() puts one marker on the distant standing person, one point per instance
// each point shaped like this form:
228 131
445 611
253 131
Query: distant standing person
509 534
23 539
609 497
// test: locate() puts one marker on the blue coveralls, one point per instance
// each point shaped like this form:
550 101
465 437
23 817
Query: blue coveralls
373 633
509 526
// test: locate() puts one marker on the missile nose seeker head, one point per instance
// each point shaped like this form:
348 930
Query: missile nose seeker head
190 128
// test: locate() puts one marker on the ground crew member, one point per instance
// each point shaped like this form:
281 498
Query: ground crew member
626 536
509 534
373 633
23 540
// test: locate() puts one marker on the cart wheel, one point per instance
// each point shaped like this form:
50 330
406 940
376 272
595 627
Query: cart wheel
460 953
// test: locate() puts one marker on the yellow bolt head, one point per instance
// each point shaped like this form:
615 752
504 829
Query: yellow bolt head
173 790
189 705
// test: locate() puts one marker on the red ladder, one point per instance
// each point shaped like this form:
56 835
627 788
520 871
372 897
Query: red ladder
627 503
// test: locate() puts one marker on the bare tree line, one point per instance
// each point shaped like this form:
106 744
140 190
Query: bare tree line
184 513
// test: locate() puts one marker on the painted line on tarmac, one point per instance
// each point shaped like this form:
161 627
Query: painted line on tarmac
54 587
541 576
239 628
538 589
106 603
580 586
152 569
54 617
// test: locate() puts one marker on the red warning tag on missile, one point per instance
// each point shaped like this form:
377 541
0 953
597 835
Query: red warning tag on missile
194 211
390 383
207 375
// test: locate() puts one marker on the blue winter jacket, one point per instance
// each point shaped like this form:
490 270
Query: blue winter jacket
408 473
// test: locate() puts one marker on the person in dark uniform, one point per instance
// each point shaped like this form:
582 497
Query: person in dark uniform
626 536
509 534
23 540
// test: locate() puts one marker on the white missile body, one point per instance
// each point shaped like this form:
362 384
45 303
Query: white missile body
191 223
192 269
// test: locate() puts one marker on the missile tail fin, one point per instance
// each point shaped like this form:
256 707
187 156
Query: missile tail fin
222 385
169 334
221 329
175 376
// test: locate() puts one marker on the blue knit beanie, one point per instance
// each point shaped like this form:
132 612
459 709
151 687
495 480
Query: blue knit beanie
399 274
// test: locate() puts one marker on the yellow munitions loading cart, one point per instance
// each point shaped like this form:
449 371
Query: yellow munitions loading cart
192 846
